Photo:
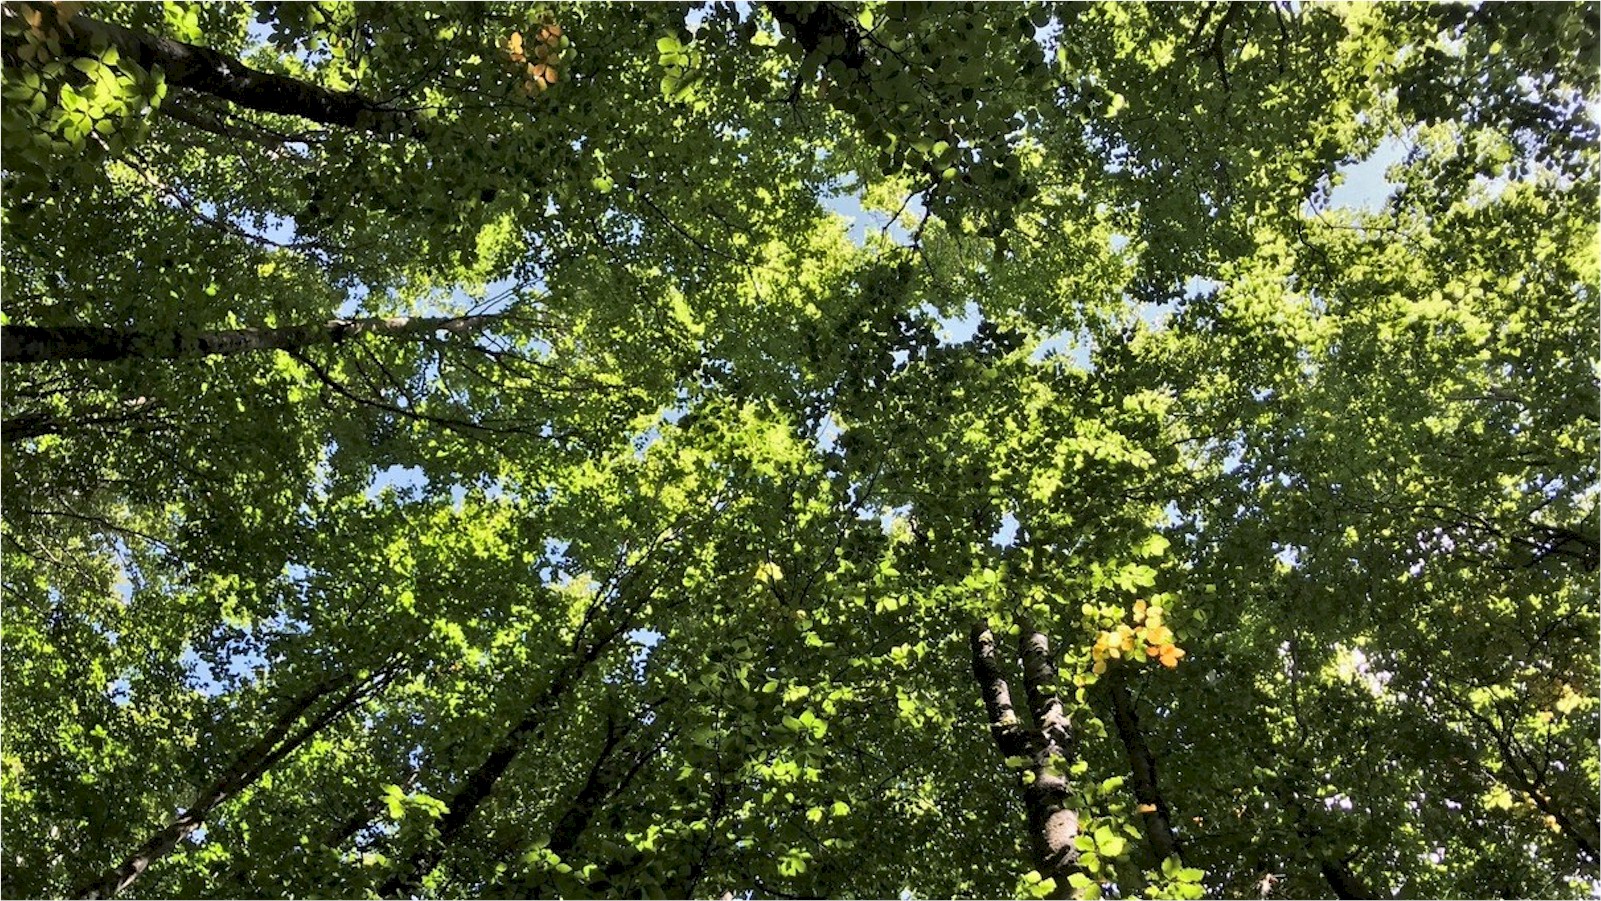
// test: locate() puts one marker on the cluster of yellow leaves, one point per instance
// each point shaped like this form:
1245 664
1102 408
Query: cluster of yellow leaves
1148 629
537 61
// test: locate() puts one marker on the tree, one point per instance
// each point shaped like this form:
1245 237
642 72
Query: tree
464 451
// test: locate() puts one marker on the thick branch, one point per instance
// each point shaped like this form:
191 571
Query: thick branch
44 343
245 770
476 788
207 71
1346 884
1154 813
1052 825
1008 732
1581 832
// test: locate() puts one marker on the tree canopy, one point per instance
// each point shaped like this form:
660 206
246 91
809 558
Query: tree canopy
801 449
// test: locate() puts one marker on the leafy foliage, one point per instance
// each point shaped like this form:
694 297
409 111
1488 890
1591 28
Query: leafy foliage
543 488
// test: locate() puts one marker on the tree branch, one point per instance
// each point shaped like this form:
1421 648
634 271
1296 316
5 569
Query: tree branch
207 71
47 343
1154 813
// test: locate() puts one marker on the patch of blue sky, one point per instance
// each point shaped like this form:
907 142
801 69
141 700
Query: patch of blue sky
826 438
1077 346
402 479
863 222
201 676
1006 535
1364 184
959 329
554 561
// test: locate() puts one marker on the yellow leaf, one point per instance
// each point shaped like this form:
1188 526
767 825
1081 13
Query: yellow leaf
513 48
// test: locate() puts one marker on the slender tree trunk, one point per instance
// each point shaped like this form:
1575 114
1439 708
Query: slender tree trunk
207 71
1154 813
607 778
475 789
280 741
1048 747
44 343
342 831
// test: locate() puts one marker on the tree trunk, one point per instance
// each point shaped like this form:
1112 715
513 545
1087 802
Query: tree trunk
1346 884
44 343
207 71
607 778
474 790
245 770
1153 809
1048 747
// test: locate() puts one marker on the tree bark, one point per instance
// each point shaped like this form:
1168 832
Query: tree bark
1048 746
1009 734
475 789
1154 813
45 343
1346 884
607 779
207 71
272 747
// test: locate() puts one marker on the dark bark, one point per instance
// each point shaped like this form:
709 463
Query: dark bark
597 786
1048 746
279 742
1345 883
1155 816
134 412
336 837
1009 734
619 613
1581 830
607 778
207 71
43 343
475 789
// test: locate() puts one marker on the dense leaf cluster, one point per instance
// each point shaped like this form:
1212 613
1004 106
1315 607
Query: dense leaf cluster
799 450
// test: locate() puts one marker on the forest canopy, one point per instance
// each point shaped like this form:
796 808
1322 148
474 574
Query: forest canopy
788 450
